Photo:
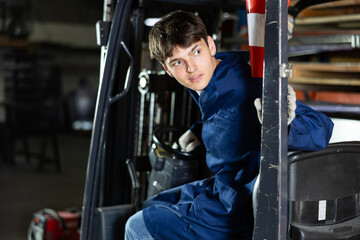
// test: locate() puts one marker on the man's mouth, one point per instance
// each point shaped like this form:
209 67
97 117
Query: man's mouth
195 78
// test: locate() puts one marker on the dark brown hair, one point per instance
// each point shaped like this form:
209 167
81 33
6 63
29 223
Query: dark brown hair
176 28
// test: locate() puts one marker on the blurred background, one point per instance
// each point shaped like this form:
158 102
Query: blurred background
49 74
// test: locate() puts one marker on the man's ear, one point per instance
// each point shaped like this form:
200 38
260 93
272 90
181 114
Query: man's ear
166 70
212 45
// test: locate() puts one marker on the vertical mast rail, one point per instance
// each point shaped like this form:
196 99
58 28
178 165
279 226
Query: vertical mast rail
272 206
100 127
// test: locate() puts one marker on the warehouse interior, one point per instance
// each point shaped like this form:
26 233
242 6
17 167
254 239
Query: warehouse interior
46 122
50 47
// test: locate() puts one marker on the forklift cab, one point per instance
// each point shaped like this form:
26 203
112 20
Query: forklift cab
140 110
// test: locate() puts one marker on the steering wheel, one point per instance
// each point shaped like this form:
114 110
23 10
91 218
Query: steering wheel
159 131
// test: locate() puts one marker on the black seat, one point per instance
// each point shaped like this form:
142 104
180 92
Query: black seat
324 193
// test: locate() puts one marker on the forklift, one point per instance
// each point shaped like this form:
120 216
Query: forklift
140 113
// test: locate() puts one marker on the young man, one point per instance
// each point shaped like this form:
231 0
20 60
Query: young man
218 207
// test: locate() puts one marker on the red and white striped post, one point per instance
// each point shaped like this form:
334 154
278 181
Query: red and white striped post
256 33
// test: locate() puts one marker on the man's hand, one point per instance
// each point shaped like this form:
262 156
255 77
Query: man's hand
188 141
258 106
291 101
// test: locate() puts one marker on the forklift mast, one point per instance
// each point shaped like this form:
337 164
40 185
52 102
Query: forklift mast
114 113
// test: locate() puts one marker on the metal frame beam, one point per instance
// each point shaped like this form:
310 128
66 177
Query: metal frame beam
271 215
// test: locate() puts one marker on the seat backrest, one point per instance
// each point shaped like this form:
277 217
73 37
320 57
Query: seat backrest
324 190
324 193
111 221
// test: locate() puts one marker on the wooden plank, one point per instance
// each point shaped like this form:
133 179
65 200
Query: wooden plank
329 67
325 32
336 4
343 7
327 19
325 81
329 12
326 73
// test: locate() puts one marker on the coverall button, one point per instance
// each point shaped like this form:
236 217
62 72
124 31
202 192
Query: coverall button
206 122
208 152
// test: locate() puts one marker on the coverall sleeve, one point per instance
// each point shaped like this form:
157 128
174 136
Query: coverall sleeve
196 128
310 130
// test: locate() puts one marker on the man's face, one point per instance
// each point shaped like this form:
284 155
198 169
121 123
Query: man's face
193 66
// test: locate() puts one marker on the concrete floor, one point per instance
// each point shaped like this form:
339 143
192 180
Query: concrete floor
24 190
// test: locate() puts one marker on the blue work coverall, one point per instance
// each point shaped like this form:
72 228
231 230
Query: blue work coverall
220 207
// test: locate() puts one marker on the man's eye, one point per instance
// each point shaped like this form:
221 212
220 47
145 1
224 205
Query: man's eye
177 63
197 52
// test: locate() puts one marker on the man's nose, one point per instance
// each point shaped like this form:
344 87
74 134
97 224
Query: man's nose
191 67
